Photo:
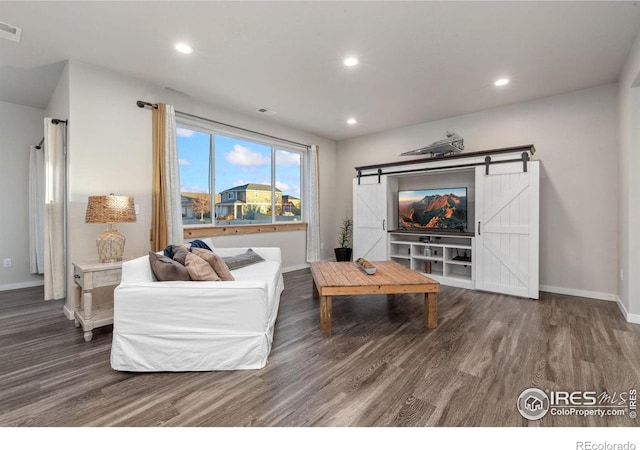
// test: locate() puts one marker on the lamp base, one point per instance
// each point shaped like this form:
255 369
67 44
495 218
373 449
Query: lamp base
110 246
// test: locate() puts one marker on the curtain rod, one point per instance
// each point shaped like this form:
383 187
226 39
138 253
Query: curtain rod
55 122
142 104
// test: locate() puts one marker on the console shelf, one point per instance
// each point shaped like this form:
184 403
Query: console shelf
433 255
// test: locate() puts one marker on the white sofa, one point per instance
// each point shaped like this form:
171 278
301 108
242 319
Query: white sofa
196 325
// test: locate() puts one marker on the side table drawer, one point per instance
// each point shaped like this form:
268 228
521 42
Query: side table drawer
107 277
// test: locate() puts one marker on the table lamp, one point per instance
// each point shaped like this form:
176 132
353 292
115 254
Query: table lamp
110 209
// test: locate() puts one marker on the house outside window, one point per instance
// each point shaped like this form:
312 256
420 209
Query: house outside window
228 180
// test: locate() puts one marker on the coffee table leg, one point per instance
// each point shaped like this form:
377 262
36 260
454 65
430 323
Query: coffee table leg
325 314
314 289
431 309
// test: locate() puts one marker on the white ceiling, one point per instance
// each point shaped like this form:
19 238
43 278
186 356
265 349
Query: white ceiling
419 61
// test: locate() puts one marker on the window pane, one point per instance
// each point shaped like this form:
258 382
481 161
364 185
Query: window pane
194 154
288 183
242 182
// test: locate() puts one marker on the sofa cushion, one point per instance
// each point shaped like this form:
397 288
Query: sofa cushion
216 262
199 269
166 269
242 260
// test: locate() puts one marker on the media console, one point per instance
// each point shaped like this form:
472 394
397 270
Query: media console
501 252
446 257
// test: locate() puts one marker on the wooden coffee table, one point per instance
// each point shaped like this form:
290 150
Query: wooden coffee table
346 278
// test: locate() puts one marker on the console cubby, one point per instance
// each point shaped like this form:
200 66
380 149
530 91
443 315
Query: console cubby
447 258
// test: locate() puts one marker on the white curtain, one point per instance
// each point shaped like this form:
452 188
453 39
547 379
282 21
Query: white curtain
54 236
36 210
312 204
172 170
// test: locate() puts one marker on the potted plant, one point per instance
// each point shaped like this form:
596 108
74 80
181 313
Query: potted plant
343 253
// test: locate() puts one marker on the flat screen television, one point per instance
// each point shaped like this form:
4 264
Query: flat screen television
433 209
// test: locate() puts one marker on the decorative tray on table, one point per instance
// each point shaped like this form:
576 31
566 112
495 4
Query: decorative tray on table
366 266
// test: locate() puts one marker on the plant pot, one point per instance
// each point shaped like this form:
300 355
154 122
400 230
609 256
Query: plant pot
342 254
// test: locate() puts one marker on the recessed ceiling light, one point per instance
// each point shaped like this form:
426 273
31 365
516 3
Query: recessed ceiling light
352 121
183 48
501 82
350 61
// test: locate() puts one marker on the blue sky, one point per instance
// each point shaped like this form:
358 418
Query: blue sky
237 162
420 194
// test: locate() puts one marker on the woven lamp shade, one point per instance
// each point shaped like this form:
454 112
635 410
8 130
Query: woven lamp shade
110 209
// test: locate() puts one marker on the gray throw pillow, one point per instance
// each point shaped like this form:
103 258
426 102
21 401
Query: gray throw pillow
180 254
242 260
166 269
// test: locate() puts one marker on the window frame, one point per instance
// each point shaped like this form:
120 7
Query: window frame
274 145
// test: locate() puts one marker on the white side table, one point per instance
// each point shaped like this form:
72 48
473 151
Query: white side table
88 276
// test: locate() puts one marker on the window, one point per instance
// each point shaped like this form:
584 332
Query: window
246 181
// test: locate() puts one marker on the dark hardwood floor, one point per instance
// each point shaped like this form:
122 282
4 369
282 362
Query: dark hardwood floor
380 367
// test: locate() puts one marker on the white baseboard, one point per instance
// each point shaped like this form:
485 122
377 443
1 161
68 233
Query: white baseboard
67 312
294 268
26 284
579 293
631 318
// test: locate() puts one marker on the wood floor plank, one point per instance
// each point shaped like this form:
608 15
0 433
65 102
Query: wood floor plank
380 367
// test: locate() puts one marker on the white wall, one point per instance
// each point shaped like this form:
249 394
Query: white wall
575 136
20 127
629 186
58 106
110 151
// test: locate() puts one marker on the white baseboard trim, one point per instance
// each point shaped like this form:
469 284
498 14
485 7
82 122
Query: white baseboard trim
67 312
26 284
578 293
294 268
631 318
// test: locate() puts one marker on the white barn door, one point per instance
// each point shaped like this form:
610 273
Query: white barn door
507 229
370 219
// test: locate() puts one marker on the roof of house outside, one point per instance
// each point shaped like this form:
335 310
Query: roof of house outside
202 195
252 187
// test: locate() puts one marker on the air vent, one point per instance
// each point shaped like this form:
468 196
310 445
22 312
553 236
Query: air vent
10 32
266 111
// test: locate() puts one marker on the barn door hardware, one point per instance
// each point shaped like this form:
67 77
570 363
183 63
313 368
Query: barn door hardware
487 161
525 158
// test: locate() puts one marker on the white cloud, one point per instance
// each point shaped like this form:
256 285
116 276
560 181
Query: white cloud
242 156
184 162
183 132
289 189
284 187
287 159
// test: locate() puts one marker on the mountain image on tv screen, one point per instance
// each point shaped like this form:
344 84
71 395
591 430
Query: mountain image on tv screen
433 208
